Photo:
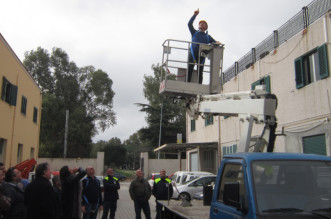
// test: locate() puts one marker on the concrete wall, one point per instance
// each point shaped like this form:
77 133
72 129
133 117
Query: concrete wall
155 165
301 112
15 127
57 163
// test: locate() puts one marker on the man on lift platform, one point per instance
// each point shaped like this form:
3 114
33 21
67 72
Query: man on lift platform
198 36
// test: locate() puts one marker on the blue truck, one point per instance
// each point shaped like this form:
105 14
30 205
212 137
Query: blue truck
272 185
264 185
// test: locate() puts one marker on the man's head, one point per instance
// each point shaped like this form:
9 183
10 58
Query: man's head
90 171
110 172
43 170
11 175
56 181
139 174
2 167
203 26
162 174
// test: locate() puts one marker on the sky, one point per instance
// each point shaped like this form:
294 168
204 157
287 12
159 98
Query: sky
124 37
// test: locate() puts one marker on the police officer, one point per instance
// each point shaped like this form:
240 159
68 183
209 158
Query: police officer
162 190
111 187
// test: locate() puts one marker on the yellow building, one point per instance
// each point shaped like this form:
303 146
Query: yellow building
20 109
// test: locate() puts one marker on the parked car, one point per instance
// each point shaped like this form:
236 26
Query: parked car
119 176
189 189
100 178
198 196
181 177
153 177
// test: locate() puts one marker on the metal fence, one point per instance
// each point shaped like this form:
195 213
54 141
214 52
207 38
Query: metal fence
297 23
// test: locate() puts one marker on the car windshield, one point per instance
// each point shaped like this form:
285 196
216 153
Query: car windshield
286 184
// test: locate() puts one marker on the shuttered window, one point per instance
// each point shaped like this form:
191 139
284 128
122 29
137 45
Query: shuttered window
192 125
209 120
23 105
314 144
35 114
263 81
8 92
311 67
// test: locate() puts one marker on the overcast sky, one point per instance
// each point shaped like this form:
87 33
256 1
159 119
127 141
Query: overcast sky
124 37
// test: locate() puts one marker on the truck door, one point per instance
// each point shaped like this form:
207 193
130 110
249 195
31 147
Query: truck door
233 173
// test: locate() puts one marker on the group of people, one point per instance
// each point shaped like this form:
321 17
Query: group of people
141 191
74 192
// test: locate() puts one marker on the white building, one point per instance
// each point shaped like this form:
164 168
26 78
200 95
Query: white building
294 64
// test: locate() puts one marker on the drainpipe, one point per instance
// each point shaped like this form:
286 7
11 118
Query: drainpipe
13 129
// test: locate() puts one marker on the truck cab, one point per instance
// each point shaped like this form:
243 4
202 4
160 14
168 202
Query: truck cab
272 185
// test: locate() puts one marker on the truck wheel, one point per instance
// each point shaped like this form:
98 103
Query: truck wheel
184 196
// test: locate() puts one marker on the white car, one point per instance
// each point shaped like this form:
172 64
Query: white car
189 189
181 177
153 177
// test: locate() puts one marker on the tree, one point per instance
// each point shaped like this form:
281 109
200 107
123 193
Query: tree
173 115
134 146
87 94
115 153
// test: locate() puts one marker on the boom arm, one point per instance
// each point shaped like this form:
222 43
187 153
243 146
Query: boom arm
251 107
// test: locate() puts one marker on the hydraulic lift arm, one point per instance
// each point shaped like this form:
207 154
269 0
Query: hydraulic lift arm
251 107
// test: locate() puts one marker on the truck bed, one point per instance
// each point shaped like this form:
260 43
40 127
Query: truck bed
175 210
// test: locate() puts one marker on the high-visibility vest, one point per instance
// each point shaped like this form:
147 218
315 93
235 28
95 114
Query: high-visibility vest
159 179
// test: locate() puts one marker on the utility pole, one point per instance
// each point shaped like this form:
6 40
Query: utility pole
66 134
158 154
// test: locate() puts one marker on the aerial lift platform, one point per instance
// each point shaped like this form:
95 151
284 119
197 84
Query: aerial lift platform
257 106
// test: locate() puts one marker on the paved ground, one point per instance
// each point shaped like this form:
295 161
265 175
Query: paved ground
125 207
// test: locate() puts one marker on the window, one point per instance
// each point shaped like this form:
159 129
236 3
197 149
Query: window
311 67
19 153
192 125
23 105
31 153
314 144
233 173
35 114
3 145
9 92
204 181
209 159
229 149
209 120
263 81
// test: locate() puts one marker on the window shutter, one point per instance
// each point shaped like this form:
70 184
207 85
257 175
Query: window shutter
192 125
323 61
35 114
267 83
314 145
13 95
299 76
3 92
254 84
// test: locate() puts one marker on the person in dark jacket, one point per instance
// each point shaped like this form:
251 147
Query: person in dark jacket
140 192
92 198
58 192
4 200
9 188
39 195
162 190
71 193
198 36
111 187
